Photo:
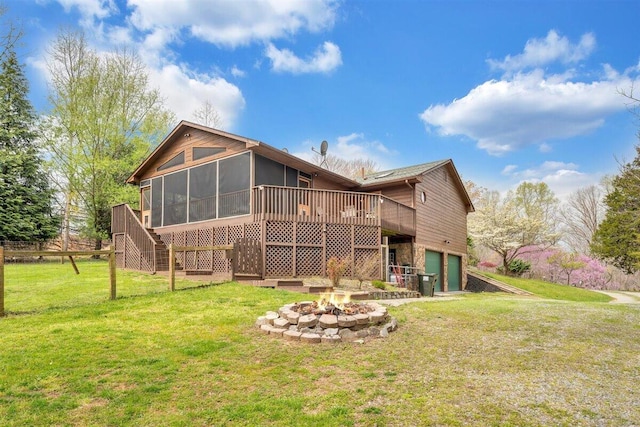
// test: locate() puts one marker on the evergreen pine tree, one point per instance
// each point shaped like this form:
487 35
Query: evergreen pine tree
25 195
617 239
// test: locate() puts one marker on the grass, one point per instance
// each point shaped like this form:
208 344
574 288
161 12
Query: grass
551 290
40 286
194 358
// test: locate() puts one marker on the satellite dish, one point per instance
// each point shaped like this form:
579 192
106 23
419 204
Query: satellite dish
323 148
285 150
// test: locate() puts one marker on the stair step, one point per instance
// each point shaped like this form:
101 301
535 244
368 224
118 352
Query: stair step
286 282
198 272
319 289
246 276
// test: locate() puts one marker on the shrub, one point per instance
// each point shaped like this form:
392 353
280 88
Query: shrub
379 284
336 268
518 267
364 269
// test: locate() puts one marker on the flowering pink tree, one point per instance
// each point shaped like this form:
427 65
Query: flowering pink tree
555 265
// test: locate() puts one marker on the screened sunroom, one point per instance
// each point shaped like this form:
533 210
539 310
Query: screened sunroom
213 190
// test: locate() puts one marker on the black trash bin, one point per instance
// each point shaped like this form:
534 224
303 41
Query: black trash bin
427 284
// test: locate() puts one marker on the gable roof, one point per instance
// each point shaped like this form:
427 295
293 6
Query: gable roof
399 174
259 147
411 175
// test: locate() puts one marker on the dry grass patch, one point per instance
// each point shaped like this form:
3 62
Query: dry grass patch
195 358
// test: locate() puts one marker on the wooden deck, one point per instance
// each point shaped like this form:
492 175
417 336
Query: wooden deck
272 203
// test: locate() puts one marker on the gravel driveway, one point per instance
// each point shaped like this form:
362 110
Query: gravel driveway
623 297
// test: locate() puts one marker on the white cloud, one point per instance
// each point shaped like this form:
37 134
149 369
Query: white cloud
186 92
354 146
531 107
561 177
553 48
237 72
506 115
509 169
152 26
234 23
324 60
548 167
90 9
545 148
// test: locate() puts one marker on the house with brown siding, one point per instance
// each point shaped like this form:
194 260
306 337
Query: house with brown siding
202 187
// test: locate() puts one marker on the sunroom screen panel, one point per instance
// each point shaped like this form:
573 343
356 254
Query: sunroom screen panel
156 202
268 172
233 189
175 198
202 192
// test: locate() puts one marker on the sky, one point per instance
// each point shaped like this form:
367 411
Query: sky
511 91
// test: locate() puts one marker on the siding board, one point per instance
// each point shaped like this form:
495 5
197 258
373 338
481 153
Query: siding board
184 143
443 216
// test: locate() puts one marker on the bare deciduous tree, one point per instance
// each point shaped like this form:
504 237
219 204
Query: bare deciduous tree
350 168
9 36
581 215
207 115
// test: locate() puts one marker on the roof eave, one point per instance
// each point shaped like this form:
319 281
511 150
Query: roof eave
251 144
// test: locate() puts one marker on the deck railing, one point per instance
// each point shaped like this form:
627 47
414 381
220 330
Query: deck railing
296 204
126 220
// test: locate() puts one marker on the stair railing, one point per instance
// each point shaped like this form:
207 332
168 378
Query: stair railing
127 222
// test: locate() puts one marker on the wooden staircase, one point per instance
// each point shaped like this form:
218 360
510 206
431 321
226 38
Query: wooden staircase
161 252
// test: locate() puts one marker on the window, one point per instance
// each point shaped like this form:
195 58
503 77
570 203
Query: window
269 172
304 183
175 198
156 202
146 198
233 186
218 189
176 160
292 177
202 152
202 192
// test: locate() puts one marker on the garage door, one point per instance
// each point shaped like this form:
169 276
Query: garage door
433 265
453 272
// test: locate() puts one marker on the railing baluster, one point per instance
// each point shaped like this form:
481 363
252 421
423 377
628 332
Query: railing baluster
283 203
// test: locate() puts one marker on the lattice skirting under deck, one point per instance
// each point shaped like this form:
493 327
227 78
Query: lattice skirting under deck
299 249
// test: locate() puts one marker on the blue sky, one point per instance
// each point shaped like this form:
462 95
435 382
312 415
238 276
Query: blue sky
510 90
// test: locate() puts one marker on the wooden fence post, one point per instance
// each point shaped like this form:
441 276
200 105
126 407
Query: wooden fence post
112 272
172 268
1 281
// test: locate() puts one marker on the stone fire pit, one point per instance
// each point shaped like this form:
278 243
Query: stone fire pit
328 320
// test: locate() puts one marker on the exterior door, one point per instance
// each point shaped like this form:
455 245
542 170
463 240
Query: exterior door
433 265
146 207
453 272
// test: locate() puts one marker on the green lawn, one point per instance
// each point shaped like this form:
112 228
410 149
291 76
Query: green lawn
193 357
551 290
40 286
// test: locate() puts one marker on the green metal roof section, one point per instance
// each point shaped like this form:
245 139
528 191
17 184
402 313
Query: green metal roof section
381 177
